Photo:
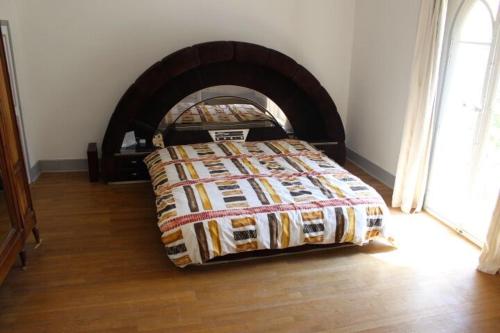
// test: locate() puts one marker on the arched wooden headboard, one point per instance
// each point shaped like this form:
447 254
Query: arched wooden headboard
308 106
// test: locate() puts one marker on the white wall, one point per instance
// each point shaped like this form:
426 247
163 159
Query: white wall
78 57
384 39
8 11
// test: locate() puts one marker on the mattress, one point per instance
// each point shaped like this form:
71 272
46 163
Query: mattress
215 199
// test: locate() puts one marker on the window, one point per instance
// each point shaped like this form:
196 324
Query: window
463 184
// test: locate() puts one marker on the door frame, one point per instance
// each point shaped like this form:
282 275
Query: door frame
491 81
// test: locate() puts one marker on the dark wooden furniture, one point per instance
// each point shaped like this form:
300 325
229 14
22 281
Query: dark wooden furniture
128 165
332 149
18 215
305 102
93 162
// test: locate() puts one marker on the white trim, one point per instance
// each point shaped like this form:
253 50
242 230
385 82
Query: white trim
492 76
454 227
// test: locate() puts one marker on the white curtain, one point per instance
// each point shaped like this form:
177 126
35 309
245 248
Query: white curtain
489 261
413 164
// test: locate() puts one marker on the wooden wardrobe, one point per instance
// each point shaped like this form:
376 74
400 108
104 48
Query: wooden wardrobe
17 217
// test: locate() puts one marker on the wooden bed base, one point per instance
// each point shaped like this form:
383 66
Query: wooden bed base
266 253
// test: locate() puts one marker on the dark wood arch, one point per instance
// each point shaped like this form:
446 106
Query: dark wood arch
306 103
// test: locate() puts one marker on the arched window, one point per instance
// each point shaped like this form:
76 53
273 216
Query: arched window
469 56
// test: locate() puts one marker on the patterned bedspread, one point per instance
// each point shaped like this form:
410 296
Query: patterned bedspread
215 199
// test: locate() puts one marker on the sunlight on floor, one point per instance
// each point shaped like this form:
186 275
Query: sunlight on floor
427 245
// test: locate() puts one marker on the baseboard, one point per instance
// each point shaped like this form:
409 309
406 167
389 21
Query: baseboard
81 165
35 172
372 169
67 165
63 165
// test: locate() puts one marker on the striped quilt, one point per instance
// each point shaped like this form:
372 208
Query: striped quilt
215 199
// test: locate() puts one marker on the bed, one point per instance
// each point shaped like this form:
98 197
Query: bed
217 199
233 185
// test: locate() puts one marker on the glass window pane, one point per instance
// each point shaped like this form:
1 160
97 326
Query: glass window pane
476 26
493 6
467 71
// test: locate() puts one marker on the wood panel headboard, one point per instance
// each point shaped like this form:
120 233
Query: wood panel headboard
306 103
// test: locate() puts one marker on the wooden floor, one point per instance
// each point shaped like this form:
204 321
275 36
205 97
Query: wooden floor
102 268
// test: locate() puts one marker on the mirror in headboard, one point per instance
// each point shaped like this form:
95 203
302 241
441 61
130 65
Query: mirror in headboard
224 112
205 71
